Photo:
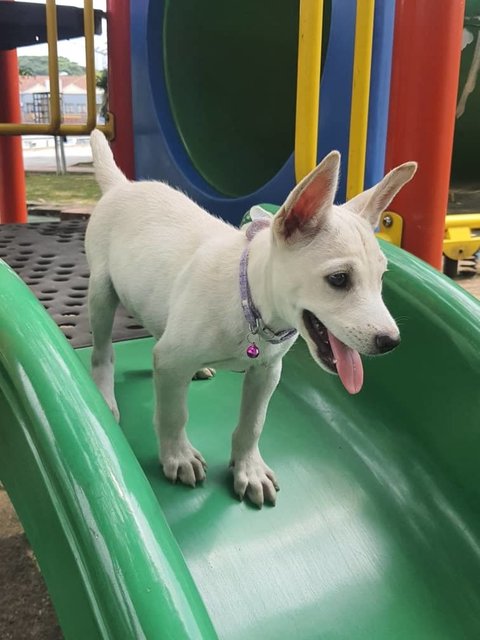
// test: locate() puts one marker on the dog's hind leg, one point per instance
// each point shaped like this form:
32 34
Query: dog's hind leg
251 476
102 304
177 456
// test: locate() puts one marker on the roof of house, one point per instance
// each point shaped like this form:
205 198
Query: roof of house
68 84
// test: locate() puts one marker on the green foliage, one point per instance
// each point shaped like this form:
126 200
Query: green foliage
38 66
101 80
102 83
25 71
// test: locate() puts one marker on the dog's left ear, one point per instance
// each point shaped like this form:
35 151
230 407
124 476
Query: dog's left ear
308 204
370 204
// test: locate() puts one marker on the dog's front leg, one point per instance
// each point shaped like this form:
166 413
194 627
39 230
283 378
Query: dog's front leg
177 456
250 473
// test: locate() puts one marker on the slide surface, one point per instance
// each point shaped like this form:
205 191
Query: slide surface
376 533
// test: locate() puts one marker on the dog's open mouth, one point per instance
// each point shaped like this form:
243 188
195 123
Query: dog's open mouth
334 354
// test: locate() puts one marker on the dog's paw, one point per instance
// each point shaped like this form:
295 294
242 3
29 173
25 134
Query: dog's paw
183 463
252 477
204 374
112 405
111 402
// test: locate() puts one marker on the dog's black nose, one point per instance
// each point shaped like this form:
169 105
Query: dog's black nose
385 343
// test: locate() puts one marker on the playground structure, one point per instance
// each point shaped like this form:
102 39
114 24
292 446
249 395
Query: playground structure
170 144
12 182
376 531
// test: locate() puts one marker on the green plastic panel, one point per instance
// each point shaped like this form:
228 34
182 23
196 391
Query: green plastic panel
109 559
376 532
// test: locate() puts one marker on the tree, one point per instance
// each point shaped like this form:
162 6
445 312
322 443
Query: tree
102 82
24 71
38 66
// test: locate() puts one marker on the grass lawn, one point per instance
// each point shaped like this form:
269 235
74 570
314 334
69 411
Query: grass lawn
78 188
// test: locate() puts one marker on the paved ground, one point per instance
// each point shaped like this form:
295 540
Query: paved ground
43 159
472 284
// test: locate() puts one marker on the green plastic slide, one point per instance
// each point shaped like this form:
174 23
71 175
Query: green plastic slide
376 533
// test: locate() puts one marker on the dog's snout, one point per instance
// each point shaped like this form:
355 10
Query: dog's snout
385 343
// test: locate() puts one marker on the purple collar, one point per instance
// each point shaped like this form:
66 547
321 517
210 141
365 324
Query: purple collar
252 314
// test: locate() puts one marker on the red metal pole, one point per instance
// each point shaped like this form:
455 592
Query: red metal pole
13 201
425 69
120 83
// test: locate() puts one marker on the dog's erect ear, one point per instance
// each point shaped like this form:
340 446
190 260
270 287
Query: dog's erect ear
370 204
307 205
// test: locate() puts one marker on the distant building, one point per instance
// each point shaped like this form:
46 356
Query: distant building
73 91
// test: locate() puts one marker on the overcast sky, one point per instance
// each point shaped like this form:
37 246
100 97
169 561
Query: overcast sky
71 49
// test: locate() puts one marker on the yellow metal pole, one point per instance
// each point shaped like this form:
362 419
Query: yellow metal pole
308 86
89 29
11 128
24 129
27 128
362 62
55 125
471 220
52 39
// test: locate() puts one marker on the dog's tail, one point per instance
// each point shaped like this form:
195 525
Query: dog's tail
106 171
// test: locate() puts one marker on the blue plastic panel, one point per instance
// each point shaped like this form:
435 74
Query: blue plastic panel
159 151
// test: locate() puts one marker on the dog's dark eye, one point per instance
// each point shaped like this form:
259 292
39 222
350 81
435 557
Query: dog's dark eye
338 280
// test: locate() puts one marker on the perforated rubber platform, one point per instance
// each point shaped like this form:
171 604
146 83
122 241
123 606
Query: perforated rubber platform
50 259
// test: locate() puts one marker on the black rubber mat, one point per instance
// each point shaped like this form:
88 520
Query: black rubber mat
50 258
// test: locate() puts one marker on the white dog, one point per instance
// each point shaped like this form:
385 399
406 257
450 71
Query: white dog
216 296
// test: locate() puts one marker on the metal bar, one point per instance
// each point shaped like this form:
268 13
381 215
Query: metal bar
421 123
120 83
15 129
13 201
52 39
109 127
470 220
362 62
308 86
55 126
83 129
89 30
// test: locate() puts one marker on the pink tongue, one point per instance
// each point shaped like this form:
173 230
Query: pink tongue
349 364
